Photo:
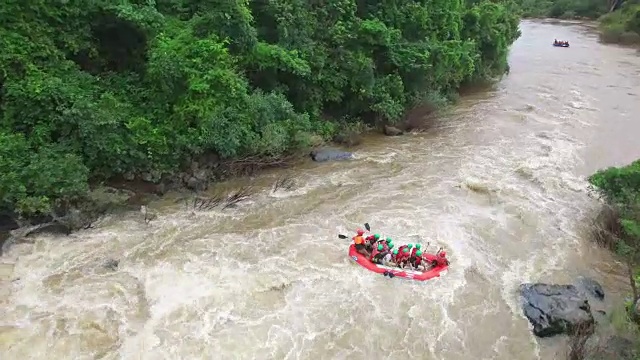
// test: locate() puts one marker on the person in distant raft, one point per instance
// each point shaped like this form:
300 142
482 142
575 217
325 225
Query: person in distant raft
402 247
415 249
387 243
394 256
389 246
442 258
375 253
373 238
401 252
403 257
383 242
387 260
359 242
384 255
416 260
370 241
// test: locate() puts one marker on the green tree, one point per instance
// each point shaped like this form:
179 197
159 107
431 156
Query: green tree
93 90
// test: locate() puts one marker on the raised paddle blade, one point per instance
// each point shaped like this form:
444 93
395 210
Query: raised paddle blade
366 226
342 236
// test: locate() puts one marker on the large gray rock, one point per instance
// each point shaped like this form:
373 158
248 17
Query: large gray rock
555 309
328 154
591 287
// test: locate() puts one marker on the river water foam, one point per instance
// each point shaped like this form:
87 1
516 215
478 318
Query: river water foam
499 183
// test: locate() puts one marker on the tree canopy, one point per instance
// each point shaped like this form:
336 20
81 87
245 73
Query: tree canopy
94 89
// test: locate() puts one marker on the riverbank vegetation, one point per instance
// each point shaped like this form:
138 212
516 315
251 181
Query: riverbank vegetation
619 187
93 91
563 9
619 26
623 25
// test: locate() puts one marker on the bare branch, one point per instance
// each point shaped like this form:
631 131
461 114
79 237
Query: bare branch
284 183
578 349
237 197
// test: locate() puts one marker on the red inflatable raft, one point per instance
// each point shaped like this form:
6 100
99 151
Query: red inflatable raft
403 273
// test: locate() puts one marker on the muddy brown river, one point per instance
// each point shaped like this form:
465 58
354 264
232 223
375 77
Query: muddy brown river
499 182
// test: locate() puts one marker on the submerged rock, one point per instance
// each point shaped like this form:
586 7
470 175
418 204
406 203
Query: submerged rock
555 309
392 131
328 154
111 264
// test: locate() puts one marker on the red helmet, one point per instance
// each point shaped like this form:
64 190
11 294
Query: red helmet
443 254
360 231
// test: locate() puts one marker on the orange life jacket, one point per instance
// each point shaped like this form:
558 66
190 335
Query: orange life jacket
358 240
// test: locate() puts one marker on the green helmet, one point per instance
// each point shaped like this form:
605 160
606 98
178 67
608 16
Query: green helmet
389 240
380 247
405 250
418 246
409 246
390 245
395 251
418 253
376 236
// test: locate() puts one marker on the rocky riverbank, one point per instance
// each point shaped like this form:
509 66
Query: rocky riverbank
576 310
132 191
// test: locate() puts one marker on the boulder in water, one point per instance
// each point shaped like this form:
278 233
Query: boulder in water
111 264
555 309
591 287
328 154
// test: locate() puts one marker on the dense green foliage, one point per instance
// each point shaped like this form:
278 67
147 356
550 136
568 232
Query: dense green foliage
623 25
620 187
566 9
93 89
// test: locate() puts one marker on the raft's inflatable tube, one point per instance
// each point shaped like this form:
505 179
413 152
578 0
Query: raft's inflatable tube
403 273
561 45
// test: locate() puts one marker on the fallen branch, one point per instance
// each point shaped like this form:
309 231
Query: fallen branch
206 204
251 164
199 203
237 197
284 183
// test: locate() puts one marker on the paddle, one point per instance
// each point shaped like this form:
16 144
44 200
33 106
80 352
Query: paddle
366 226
